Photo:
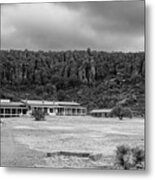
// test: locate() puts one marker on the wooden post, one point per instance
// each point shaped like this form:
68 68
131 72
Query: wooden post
76 111
11 114
81 112
16 112
64 112
4 112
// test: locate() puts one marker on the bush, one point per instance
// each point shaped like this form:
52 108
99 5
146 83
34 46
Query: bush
39 115
121 112
129 158
127 112
118 112
139 157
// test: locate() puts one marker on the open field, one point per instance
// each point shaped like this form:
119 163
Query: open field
25 142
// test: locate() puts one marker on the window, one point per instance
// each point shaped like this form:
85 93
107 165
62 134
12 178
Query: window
1 111
24 111
13 111
19 111
45 110
83 111
7 111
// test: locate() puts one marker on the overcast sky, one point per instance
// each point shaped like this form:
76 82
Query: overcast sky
108 26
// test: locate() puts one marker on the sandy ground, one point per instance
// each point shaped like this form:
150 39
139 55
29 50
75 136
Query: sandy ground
25 142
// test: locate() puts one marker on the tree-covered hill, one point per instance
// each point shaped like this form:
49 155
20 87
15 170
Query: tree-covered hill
96 79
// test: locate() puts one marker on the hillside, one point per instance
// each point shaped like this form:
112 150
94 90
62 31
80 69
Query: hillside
96 79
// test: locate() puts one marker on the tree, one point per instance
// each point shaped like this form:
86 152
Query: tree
121 112
127 113
73 82
39 115
61 95
44 74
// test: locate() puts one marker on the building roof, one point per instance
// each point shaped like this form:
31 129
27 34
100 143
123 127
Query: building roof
101 111
8 103
49 103
4 100
11 104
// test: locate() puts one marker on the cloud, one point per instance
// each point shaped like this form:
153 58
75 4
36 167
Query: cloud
117 15
55 26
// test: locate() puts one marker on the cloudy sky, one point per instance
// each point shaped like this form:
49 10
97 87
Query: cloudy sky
109 26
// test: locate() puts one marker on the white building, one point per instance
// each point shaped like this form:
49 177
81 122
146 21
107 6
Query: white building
56 107
13 109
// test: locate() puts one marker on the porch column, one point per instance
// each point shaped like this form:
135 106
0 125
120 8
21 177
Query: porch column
16 111
4 112
66 109
64 112
76 111
81 112
11 114
69 111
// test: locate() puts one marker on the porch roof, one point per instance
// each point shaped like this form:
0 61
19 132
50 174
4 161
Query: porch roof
49 103
12 104
101 111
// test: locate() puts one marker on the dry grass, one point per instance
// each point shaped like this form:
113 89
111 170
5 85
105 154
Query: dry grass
75 134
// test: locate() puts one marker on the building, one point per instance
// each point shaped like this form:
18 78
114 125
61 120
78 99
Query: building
12 109
52 108
56 107
100 112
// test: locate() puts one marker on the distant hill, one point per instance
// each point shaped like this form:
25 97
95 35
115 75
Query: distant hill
96 79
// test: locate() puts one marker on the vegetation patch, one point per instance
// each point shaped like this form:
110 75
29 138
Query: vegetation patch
39 115
129 158
95 79
121 112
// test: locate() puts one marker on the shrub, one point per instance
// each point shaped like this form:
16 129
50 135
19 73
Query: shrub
39 115
121 112
118 112
129 158
139 157
127 112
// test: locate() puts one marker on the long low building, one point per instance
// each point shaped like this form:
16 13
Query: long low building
52 108
100 112
56 107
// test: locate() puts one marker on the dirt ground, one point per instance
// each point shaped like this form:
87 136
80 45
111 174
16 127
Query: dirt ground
25 142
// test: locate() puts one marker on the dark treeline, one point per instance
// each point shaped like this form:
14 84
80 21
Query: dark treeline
96 79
